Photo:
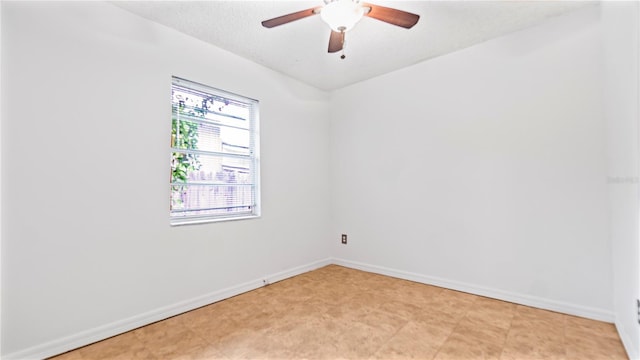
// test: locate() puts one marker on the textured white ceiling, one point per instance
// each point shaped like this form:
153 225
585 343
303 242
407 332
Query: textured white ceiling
299 49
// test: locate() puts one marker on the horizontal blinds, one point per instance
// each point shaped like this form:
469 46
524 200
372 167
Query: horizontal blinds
214 163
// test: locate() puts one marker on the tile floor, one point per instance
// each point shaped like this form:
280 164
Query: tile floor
340 313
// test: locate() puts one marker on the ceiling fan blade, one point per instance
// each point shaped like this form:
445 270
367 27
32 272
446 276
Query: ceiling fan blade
392 16
336 41
281 20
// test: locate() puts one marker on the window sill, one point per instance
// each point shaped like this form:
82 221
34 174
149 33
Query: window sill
180 222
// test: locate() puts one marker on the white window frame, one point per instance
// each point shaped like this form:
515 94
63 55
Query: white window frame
253 157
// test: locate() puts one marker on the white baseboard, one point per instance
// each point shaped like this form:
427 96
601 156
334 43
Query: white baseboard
87 337
632 351
522 299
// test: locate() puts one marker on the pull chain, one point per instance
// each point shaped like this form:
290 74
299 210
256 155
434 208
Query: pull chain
343 55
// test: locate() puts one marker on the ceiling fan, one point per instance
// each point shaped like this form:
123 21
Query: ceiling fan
343 15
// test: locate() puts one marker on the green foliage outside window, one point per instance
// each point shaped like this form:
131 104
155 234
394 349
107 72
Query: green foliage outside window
184 135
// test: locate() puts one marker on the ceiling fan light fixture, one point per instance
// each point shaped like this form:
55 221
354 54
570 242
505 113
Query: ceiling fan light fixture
342 15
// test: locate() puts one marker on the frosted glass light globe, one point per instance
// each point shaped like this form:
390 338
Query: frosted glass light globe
342 15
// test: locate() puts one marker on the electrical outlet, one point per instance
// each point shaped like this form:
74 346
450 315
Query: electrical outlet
344 239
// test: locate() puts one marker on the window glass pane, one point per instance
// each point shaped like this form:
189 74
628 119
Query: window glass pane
213 168
213 159
190 103
209 137
230 199
235 141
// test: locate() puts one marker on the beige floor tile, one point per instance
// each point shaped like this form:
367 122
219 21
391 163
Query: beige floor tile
529 314
121 347
483 332
452 303
491 312
360 340
531 353
416 340
594 347
198 353
339 313
388 321
537 330
296 338
407 311
576 326
169 339
531 342
409 292
459 346
220 328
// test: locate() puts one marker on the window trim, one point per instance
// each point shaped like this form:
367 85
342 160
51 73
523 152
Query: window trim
254 131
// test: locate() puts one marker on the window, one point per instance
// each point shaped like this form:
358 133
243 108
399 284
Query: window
215 167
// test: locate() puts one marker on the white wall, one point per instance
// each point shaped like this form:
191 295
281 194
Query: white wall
621 35
1 116
483 170
87 246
